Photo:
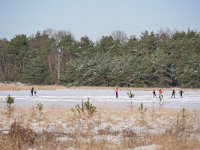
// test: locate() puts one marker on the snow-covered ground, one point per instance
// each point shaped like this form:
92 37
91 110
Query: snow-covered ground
102 98
108 126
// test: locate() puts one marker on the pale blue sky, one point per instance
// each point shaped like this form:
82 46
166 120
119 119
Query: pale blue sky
96 18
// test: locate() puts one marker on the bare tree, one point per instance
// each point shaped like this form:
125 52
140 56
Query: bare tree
57 37
164 34
121 36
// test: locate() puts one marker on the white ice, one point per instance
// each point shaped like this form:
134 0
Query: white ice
102 98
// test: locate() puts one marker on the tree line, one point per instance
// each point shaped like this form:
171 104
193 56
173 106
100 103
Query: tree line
162 59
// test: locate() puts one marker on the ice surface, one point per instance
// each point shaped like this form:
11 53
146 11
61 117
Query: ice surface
102 98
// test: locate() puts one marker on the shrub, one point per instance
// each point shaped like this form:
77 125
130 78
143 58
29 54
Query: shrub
142 109
130 94
39 106
182 123
86 109
142 121
10 100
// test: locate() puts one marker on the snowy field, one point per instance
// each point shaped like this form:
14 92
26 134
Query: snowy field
102 98
115 126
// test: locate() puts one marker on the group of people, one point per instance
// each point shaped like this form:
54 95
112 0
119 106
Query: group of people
160 94
154 93
130 94
33 92
172 96
174 93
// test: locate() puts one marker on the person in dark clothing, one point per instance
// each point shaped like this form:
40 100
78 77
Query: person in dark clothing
173 94
35 92
117 92
32 90
181 93
154 93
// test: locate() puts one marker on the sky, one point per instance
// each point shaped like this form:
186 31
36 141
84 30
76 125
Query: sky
97 18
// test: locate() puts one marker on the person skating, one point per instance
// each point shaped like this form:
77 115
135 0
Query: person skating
160 94
117 92
154 93
181 93
173 94
32 90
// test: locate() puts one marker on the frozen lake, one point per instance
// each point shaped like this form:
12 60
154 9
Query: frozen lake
101 98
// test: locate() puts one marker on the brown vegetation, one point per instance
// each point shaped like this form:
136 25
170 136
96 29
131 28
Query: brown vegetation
58 128
13 87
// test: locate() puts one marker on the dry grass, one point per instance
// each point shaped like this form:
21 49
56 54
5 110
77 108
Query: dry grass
12 87
57 128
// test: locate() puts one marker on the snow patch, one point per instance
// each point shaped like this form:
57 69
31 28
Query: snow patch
149 147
